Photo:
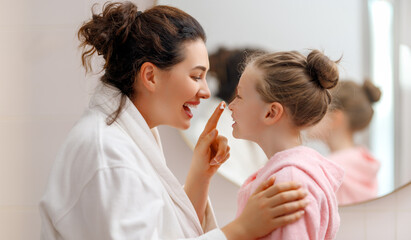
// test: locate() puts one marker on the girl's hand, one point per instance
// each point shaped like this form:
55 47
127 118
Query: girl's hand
211 149
270 207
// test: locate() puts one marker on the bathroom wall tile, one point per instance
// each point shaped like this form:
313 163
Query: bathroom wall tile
380 225
28 148
403 224
352 225
352 208
19 223
404 199
382 204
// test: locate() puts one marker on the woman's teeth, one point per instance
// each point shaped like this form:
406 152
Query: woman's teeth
190 105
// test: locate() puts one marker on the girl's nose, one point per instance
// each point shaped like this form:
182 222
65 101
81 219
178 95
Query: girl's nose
230 106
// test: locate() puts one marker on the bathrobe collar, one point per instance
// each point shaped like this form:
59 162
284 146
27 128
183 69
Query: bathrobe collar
107 99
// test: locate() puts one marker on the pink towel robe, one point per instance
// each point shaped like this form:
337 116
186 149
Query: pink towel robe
360 180
318 175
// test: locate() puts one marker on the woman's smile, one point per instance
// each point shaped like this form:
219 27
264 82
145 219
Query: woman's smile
187 107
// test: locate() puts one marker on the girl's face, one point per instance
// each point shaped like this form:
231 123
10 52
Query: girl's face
182 87
248 108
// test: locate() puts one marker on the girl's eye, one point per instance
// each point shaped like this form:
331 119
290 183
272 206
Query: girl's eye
196 78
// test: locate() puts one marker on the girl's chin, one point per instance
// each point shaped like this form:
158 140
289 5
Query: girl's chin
235 134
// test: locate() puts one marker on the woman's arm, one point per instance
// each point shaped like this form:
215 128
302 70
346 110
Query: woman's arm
210 151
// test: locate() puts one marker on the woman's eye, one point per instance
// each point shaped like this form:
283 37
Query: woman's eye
196 78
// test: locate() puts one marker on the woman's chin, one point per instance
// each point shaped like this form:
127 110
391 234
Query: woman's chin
184 125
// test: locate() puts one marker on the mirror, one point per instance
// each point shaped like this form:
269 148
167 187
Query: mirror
339 28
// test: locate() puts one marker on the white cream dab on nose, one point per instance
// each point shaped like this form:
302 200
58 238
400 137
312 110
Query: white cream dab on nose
222 106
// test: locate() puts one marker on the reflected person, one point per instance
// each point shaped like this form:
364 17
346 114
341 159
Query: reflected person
351 112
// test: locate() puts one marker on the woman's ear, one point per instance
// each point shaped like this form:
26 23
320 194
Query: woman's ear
274 113
146 74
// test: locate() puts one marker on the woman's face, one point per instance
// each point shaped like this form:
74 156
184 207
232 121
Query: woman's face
182 87
248 108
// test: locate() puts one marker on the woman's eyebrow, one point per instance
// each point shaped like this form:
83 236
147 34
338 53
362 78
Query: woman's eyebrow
200 67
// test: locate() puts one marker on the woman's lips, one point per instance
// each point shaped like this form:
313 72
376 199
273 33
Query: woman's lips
187 107
187 110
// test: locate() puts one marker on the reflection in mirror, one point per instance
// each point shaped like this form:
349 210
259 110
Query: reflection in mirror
348 28
350 112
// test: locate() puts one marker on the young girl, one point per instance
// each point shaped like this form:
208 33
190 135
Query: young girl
280 94
351 112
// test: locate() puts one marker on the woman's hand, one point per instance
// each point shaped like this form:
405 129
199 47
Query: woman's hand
211 149
270 207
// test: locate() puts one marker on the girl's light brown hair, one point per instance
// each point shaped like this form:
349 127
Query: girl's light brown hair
299 83
356 101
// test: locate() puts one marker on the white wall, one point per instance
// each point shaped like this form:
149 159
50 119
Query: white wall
43 91
337 27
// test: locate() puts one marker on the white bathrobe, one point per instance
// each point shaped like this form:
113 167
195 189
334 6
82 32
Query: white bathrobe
112 182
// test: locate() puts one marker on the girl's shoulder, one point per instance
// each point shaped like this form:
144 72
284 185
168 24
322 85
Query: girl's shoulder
304 165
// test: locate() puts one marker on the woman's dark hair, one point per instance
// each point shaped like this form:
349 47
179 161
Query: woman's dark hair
127 38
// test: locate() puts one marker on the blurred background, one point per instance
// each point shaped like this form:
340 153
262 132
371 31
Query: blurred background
44 90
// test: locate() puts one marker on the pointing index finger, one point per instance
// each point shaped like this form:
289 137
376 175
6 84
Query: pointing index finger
213 120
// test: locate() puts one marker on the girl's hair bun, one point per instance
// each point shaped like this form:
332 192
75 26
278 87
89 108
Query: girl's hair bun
323 70
373 93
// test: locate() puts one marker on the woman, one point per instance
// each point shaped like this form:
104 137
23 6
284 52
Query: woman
110 179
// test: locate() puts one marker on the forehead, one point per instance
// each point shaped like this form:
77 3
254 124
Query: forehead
249 77
195 54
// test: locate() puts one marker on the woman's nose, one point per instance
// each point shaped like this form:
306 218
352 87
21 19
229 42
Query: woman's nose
204 91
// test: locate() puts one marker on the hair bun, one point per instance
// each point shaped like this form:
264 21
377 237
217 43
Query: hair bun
112 25
373 93
322 69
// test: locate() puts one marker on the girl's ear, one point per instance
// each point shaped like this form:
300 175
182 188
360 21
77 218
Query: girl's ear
146 74
274 113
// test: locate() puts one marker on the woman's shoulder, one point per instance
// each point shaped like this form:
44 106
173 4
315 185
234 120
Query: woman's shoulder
93 144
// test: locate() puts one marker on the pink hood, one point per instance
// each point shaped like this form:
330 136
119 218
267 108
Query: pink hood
361 169
319 176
